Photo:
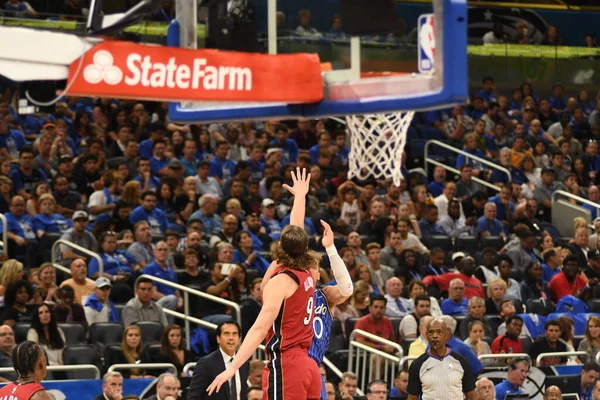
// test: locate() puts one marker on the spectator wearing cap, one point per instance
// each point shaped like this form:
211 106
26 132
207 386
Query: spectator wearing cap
267 219
489 225
67 201
466 266
87 175
569 281
148 212
102 202
47 220
289 147
206 184
22 240
26 176
211 221
221 168
79 235
261 241
144 177
98 306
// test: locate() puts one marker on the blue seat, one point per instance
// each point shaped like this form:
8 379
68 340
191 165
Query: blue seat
432 133
412 134
416 151
442 151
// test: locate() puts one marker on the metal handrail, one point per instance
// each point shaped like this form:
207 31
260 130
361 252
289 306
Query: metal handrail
64 368
187 367
376 338
170 366
464 153
559 354
501 356
572 196
4 234
188 319
407 358
78 248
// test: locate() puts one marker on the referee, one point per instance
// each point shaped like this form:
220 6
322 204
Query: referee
440 374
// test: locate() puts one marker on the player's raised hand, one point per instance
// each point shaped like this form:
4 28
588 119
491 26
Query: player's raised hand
327 235
301 183
223 377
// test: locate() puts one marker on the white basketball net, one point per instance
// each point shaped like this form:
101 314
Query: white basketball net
376 145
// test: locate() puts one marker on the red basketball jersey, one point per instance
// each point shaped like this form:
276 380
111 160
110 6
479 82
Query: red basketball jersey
293 326
20 392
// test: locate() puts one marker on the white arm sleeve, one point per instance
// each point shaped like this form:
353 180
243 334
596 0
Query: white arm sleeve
340 272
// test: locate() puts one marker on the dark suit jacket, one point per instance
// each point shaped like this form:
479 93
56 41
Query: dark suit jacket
206 371
99 397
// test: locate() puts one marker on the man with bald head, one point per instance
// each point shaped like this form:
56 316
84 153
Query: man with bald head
489 225
440 373
553 393
485 389
456 303
397 306
7 344
186 202
466 266
228 231
82 286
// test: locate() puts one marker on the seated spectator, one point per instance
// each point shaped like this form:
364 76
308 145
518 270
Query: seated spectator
549 343
390 254
489 225
47 220
428 225
436 186
443 200
26 176
268 220
517 373
505 270
45 332
476 312
376 323
496 291
304 28
458 346
379 273
102 202
244 253
98 307
131 352
22 239
466 186
376 223
191 274
409 240
475 340
165 296
408 268
239 291
47 287
568 281
533 286
360 298
172 351
419 346
66 310
211 221
396 306
456 303
364 275
217 286
16 302
148 212
579 244
453 224
567 327
82 286
487 271
591 342
507 310
141 307
11 272
436 266
79 235
509 342
523 254
142 249
466 266
409 326
7 344
416 288
252 305
550 267
20 9
33 204
119 265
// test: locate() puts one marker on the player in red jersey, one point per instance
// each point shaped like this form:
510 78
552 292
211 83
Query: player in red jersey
29 360
286 316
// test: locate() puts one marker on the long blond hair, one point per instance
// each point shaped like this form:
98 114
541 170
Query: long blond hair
127 351
10 272
292 249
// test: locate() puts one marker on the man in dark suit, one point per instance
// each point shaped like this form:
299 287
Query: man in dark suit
228 338
167 387
112 387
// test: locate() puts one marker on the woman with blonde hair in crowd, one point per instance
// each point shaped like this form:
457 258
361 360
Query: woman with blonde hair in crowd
591 343
132 193
364 274
496 291
47 274
11 272
360 298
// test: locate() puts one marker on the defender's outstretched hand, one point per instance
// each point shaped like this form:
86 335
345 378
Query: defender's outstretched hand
301 183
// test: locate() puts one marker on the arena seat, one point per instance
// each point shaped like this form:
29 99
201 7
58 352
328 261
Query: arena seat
594 305
495 242
467 244
527 342
337 340
74 333
350 322
537 306
20 329
152 351
152 331
395 325
443 241
78 355
405 343
104 333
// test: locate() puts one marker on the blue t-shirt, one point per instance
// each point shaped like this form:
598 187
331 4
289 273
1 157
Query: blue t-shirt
435 188
13 142
487 97
22 227
221 169
289 150
157 164
272 226
54 223
118 262
157 219
169 275
559 104
27 182
452 308
321 327
258 170
145 149
504 388
260 263
548 273
189 167
154 181
495 227
501 208
462 160
343 155
308 224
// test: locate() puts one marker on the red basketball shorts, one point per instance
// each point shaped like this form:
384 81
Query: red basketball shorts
291 375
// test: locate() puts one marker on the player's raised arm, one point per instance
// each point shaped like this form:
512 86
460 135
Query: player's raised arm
340 272
277 290
301 186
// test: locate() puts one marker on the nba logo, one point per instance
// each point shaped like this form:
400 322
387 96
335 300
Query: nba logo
426 42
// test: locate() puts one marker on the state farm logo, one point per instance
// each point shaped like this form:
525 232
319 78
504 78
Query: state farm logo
176 73
103 70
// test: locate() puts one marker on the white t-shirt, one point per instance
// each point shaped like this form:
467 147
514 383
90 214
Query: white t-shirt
98 198
351 214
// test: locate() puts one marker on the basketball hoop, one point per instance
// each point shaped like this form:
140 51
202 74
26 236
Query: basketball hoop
376 145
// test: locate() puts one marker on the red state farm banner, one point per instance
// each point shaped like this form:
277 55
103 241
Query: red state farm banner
130 70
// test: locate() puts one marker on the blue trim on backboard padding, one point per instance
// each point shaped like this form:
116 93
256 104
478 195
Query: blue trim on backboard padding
454 90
